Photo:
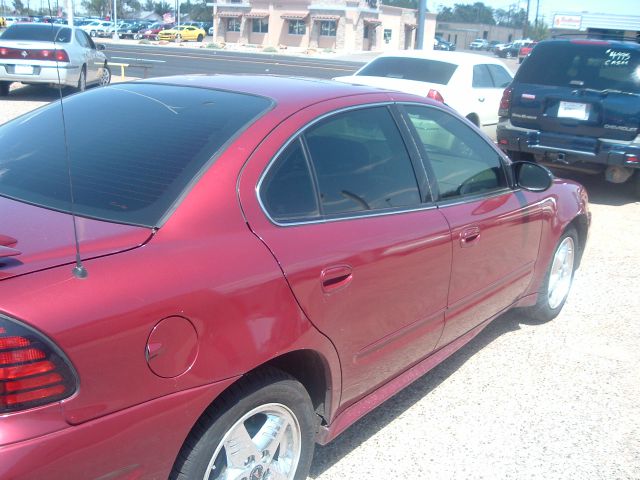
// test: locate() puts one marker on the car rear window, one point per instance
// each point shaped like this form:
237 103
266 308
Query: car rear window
420 69
596 66
133 148
38 33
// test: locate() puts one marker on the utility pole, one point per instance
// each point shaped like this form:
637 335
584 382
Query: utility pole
525 28
422 13
537 12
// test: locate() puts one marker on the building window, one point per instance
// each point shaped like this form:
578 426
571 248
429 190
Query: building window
366 32
297 27
233 24
260 25
328 28
387 35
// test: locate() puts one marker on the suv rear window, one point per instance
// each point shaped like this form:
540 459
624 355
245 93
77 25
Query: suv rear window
583 65
419 69
38 33
125 168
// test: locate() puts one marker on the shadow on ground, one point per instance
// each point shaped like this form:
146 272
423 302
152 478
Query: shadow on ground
326 456
600 191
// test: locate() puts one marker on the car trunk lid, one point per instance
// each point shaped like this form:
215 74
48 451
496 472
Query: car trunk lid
34 238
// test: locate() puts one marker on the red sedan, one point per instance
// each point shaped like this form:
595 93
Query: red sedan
244 266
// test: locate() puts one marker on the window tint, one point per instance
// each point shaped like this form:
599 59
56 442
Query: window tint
418 69
287 191
583 65
481 77
361 163
501 78
38 33
82 39
462 161
125 168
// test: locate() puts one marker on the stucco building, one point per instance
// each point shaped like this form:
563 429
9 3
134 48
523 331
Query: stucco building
342 25
605 25
462 34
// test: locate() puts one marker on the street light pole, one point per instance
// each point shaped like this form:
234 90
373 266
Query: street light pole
422 13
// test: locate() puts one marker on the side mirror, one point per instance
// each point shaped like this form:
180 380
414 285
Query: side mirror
100 46
532 176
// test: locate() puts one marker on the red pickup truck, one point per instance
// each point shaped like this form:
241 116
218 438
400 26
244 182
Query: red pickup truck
525 50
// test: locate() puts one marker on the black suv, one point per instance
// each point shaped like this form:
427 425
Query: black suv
575 104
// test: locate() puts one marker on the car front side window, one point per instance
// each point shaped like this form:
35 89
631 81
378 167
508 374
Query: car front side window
462 162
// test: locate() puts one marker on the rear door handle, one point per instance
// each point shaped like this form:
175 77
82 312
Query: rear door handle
336 278
469 236
481 99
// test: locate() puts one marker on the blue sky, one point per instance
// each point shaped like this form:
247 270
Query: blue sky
547 7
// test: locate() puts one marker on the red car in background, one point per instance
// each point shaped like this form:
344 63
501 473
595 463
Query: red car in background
152 32
525 50
252 272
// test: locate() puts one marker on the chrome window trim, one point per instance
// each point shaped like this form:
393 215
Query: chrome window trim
293 137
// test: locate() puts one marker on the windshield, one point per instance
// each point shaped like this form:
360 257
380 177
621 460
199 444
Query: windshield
38 33
125 168
420 69
598 66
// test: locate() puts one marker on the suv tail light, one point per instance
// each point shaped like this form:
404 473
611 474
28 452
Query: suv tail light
435 95
33 371
505 102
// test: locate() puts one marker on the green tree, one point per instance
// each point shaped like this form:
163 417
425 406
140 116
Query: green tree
97 7
402 3
18 7
463 13
160 8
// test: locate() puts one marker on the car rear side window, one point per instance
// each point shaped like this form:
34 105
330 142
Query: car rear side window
361 163
287 191
462 161
501 78
38 33
124 168
419 69
593 65
481 77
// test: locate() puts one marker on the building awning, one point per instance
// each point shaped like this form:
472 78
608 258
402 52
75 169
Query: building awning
325 18
253 14
228 14
294 15
410 26
373 22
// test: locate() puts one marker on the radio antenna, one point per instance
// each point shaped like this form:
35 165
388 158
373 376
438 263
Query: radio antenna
78 270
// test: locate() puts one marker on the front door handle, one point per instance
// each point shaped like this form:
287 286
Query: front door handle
336 278
481 99
469 236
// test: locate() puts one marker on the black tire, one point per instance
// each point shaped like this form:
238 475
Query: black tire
508 54
262 389
200 37
82 80
546 308
92 33
4 88
105 78
636 184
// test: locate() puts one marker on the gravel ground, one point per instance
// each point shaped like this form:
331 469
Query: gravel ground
547 401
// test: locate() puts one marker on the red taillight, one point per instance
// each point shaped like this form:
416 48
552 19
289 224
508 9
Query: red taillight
32 370
435 95
505 102
54 55
633 159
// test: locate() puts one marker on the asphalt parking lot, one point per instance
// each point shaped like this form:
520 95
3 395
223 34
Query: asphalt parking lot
547 401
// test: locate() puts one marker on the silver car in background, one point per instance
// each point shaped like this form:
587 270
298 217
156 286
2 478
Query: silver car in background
34 53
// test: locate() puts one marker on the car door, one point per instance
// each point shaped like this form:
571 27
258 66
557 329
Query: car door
495 228
485 95
89 54
344 210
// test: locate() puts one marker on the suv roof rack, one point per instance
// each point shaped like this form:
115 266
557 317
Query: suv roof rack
597 36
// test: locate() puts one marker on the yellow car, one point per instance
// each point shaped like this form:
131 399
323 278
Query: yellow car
183 33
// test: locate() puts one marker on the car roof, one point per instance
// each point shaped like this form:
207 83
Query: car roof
629 43
457 58
298 91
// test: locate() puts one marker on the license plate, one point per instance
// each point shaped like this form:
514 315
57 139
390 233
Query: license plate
579 111
23 70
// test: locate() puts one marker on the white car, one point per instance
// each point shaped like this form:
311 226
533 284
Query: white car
469 83
97 28
42 53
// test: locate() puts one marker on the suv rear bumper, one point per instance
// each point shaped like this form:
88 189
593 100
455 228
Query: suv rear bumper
567 149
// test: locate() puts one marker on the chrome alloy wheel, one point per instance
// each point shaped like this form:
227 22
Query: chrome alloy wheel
561 274
265 444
